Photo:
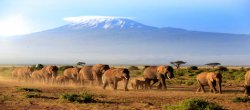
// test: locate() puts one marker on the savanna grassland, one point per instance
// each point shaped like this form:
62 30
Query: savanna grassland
15 95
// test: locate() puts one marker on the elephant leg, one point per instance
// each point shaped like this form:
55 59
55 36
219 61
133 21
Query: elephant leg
163 82
247 90
201 87
115 84
105 85
214 85
212 88
154 81
82 82
126 84
147 81
160 86
136 86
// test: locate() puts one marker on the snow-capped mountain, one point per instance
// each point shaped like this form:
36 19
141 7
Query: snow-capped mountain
117 40
103 22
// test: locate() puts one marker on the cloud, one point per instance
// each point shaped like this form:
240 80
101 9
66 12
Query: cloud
85 18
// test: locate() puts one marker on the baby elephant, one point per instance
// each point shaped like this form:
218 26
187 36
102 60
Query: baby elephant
138 84
210 79
62 80
114 75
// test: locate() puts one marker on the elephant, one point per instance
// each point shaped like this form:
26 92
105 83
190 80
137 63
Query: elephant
114 75
247 83
211 79
72 74
50 73
38 75
158 73
137 84
92 73
22 73
45 74
62 80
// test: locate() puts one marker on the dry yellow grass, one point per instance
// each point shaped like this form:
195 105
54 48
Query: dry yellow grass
109 99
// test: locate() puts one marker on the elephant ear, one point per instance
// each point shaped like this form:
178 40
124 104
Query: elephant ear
161 69
211 77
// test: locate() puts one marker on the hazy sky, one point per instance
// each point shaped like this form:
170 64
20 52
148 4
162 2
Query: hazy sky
25 16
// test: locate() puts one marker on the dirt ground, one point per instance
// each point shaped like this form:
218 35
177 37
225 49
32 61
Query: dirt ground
12 99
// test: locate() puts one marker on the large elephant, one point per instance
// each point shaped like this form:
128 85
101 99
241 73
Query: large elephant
22 73
114 75
72 74
210 79
92 73
46 74
158 73
50 73
247 83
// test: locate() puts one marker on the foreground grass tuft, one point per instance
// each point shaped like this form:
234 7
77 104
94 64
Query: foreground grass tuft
194 104
241 99
29 90
81 98
33 96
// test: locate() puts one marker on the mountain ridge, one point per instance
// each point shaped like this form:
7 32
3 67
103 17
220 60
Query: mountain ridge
118 45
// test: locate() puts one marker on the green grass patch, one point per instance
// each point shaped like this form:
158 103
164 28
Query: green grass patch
241 99
32 95
80 98
29 90
194 104
4 98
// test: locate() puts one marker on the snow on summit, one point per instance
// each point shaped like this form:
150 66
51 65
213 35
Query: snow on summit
103 22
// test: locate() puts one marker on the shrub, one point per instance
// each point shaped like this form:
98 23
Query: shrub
190 82
194 104
193 68
135 73
222 68
65 67
82 98
243 99
133 68
33 96
29 90
4 98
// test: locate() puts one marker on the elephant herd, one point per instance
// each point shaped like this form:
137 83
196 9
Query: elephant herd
103 75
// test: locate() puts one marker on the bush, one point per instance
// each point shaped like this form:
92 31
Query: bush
222 68
135 73
194 104
65 67
33 96
239 99
82 98
29 90
193 68
133 68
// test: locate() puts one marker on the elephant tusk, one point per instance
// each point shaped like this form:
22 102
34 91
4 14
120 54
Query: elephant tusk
168 77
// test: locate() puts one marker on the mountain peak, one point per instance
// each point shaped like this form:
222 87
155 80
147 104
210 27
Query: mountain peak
103 22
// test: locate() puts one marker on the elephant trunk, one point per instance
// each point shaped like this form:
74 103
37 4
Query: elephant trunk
219 85
247 90
126 84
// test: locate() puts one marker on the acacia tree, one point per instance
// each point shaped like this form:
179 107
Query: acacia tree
177 64
213 64
80 63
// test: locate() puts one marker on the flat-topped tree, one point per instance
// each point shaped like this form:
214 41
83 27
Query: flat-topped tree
177 64
213 64
80 63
